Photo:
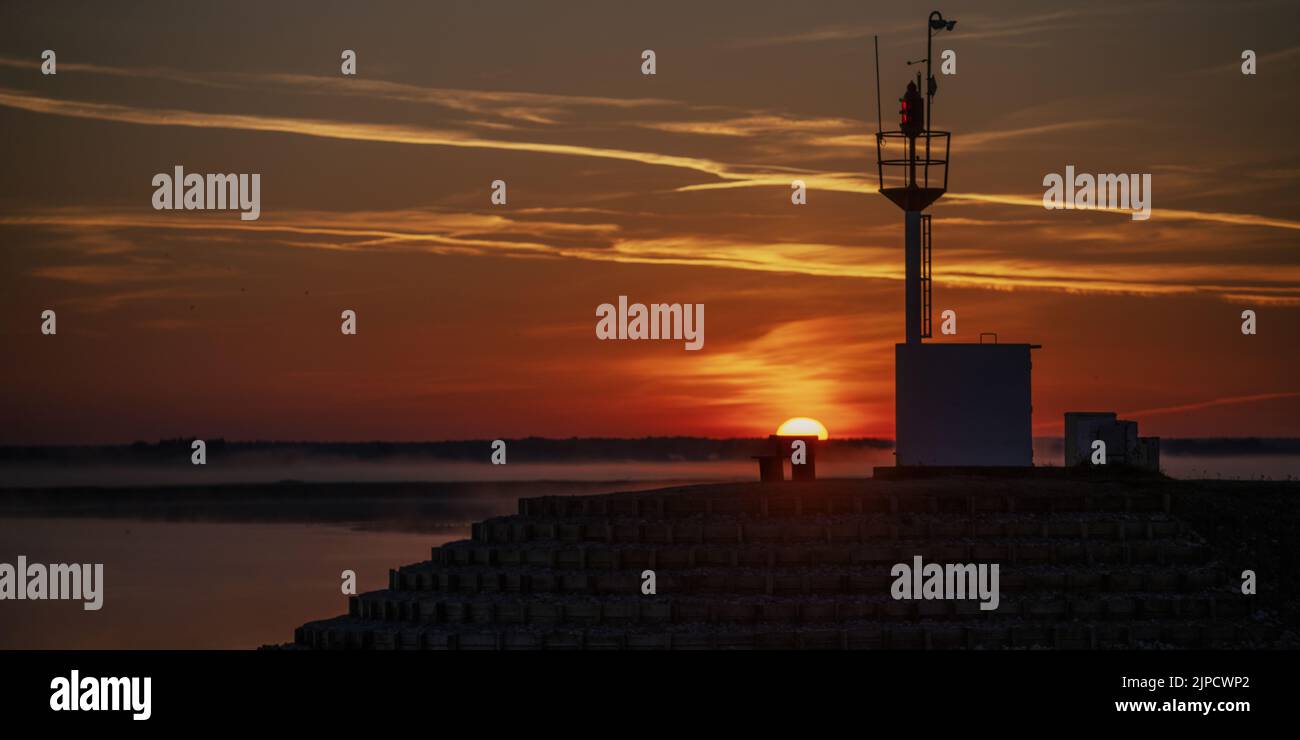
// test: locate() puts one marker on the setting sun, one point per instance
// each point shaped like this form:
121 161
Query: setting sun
802 426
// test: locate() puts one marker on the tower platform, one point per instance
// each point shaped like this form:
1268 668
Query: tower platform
913 198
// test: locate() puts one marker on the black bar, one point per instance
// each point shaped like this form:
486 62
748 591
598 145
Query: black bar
923 690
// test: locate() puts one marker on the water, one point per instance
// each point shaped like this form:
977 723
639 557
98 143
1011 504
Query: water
196 585
232 576
208 575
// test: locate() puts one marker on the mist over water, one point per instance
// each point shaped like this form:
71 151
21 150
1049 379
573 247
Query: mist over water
236 574
1197 465
858 465
197 585
116 476
191 562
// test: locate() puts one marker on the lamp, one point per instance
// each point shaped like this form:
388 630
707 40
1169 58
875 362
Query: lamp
937 23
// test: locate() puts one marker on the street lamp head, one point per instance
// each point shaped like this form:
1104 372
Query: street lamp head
937 23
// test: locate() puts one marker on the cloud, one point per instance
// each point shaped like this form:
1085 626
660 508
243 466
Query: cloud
353 131
827 367
148 73
531 107
976 27
854 183
1198 405
412 229
727 175
1162 214
135 272
755 125
537 236
555 237
1232 66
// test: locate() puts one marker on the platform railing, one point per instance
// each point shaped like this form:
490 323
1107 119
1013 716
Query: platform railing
900 165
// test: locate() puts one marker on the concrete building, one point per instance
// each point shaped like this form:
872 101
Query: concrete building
1123 445
963 405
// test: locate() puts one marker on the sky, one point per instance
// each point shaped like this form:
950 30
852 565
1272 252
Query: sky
477 320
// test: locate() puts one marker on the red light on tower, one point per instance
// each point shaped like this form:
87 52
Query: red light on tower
912 113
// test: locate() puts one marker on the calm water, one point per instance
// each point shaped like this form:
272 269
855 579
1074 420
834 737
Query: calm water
196 584
216 583
213 583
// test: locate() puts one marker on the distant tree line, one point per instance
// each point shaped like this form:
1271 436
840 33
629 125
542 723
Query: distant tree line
525 450
546 450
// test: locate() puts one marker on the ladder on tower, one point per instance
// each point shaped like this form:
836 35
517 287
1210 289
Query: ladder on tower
926 304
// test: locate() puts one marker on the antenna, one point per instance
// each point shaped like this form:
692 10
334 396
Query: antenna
879 124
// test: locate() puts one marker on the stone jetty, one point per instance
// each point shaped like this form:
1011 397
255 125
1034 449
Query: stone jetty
1085 563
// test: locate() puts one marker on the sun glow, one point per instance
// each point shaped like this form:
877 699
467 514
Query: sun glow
802 426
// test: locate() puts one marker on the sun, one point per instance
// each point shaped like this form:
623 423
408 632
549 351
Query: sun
802 426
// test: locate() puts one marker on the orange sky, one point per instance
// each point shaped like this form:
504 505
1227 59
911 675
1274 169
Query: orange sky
478 320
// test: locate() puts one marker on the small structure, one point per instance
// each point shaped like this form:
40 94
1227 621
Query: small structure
807 470
771 468
781 447
1123 445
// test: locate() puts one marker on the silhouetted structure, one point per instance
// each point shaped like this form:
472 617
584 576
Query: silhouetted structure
1095 562
806 470
771 468
771 465
963 405
956 404
1123 445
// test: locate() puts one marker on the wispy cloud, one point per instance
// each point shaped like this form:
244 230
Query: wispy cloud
1232 66
533 107
823 35
755 124
352 131
771 376
1164 214
115 274
1198 405
976 27
539 108
728 175
164 74
492 235
1185 407
526 237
